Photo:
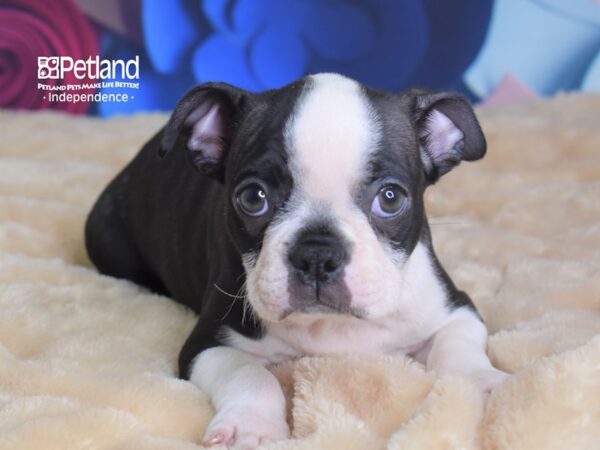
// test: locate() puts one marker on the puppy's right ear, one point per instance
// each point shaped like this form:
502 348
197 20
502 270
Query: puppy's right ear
204 122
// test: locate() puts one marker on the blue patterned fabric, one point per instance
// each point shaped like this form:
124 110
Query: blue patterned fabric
262 44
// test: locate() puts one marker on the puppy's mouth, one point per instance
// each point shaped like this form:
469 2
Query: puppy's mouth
317 305
311 297
320 309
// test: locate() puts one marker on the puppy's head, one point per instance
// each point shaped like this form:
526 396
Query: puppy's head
323 181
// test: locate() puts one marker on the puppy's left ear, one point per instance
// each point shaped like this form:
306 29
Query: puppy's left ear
448 132
204 123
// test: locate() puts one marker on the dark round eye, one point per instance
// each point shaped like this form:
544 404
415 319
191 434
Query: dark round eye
253 200
388 202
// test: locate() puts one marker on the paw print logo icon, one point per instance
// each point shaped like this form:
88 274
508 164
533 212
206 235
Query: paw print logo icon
48 67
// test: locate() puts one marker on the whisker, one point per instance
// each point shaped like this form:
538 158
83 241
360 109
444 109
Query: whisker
244 311
242 293
249 310
222 291
243 274
239 295
234 297
228 310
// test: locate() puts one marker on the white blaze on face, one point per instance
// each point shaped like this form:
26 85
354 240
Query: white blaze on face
330 138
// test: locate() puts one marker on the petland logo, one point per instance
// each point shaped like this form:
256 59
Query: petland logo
55 68
100 80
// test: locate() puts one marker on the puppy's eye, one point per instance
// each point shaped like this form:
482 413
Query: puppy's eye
253 200
388 202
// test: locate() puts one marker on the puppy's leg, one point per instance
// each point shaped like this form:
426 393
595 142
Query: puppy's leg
249 402
460 347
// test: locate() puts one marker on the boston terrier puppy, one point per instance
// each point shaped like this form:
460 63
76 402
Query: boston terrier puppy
292 222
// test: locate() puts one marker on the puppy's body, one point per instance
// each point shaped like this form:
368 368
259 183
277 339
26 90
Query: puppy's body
155 231
304 233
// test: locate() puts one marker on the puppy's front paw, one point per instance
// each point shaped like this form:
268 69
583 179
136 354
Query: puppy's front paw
244 429
488 379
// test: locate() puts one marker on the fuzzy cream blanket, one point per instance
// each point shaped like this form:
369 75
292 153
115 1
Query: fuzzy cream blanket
88 362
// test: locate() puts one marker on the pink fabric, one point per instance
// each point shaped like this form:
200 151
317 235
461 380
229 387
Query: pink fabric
509 90
32 28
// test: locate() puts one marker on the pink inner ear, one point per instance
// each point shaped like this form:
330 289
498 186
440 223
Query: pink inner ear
441 134
208 132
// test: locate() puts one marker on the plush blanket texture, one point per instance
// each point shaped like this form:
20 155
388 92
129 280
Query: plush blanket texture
88 362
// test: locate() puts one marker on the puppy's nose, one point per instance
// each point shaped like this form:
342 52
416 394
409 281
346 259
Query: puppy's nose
318 258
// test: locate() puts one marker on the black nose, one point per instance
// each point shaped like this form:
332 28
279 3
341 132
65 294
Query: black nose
318 257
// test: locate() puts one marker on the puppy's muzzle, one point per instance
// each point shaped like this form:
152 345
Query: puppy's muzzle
316 264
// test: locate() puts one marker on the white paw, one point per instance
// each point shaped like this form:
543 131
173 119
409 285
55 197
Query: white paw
488 379
244 429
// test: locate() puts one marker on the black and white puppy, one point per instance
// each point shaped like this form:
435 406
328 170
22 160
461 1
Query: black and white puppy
293 223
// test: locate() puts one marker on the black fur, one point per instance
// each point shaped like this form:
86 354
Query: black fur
162 224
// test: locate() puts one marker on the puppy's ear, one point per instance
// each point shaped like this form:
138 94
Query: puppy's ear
448 131
205 120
